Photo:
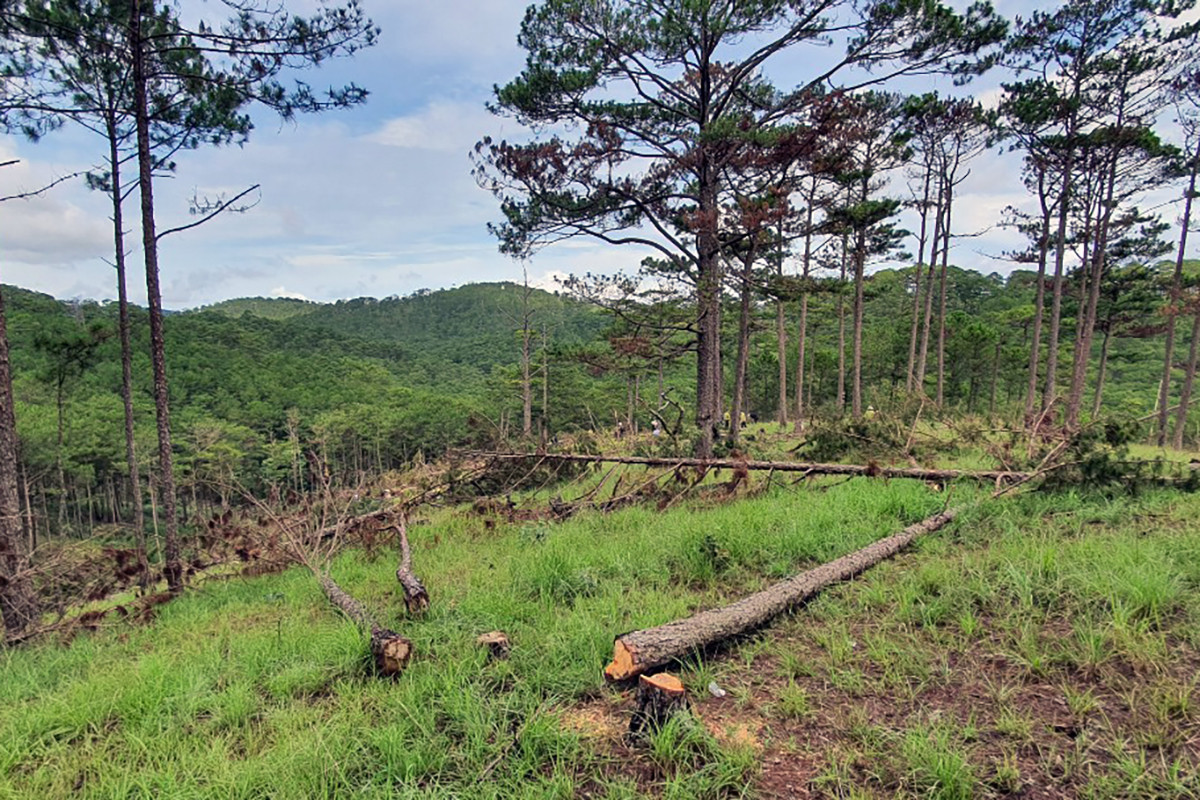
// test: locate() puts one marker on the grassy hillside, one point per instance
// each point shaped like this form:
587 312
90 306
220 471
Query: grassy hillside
1047 645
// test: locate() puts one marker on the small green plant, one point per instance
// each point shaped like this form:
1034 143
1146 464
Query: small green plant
793 702
937 766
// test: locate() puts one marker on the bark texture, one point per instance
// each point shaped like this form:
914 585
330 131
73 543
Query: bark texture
637 652
18 602
809 468
172 567
659 697
416 599
390 650
123 326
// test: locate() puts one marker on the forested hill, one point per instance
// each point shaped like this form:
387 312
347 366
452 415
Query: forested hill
474 325
266 307
364 377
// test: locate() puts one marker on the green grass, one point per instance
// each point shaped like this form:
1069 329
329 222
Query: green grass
952 671
251 687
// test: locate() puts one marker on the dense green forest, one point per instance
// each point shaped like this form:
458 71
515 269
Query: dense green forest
370 384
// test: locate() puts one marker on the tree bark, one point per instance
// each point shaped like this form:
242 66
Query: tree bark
781 341
1060 255
416 599
637 652
1164 392
1189 379
802 343
1039 306
390 650
941 342
135 481
922 240
708 301
743 354
18 601
1083 345
860 261
1103 372
659 698
809 468
927 325
172 568
841 316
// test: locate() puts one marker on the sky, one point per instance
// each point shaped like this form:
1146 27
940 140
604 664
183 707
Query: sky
373 201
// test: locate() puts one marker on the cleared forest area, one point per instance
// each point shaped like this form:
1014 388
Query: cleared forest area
1044 645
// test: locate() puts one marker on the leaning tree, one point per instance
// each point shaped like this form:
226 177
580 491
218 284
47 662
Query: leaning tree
643 103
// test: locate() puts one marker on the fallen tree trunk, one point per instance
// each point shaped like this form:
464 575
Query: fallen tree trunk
390 650
809 468
416 599
635 653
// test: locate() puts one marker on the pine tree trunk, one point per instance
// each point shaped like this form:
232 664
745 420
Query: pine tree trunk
708 301
172 568
927 326
802 334
801 345
1164 393
1189 379
123 326
1083 346
743 355
1049 392
1039 305
1102 373
841 315
860 258
781 340
995 377
18 602
915 331
941 342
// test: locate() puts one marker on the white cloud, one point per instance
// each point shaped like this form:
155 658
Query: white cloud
279 291
442 126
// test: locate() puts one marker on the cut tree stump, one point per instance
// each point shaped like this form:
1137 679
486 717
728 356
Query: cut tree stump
390 650
416 599
640 651
659 697
496 642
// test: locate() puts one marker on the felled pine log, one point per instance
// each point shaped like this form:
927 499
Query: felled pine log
416 599
637 652
390 650
805 467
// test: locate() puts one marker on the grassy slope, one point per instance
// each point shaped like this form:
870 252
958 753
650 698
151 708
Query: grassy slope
1051 642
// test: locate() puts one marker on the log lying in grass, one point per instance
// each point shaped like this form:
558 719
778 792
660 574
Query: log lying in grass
808 468
635 653
390 650
416 599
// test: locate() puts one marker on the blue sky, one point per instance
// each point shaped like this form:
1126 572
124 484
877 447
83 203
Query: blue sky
374 201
